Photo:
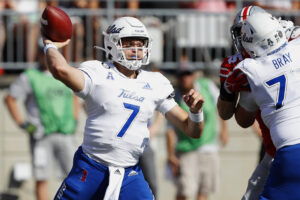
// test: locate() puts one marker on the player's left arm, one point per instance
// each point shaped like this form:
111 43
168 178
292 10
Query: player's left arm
190 123
244 118
226 109
226 102
246 110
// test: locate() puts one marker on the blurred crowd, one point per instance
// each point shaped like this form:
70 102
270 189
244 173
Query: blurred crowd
204 38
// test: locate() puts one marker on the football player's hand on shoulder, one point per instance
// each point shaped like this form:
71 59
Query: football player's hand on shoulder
194 101
225 69
236 81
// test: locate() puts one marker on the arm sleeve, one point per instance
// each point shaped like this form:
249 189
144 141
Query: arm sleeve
20 88
87 86
87 68
166 94
166 105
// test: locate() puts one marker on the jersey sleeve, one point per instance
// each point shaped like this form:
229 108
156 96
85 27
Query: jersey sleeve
247 102
166 105
89 68
165 94
21 87
87 86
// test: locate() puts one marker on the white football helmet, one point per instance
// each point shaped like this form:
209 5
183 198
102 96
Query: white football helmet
240 17
125 27
261 34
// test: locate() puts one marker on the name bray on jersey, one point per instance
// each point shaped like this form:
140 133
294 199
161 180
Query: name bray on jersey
275 83
282 60
119 109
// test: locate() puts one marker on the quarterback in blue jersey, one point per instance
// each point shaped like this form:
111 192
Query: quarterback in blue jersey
273 76
120 100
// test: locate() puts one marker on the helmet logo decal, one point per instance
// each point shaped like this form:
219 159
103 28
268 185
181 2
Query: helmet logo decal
270 42
280 34
114 29
247 39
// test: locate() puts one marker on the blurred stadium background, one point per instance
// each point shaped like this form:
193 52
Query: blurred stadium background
180 29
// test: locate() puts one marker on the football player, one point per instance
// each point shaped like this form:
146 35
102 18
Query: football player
272 75
227 107
120 99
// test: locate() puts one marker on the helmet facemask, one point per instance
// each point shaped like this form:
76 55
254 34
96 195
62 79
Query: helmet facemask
136 61
236 36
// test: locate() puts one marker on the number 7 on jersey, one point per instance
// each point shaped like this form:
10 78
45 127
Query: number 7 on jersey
135 110
282 86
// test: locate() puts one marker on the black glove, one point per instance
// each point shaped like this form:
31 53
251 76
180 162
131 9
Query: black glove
28 127
226 96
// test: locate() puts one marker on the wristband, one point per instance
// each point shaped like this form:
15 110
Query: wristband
47 46
196 117
224 95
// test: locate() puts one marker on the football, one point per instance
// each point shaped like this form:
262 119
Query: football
56 24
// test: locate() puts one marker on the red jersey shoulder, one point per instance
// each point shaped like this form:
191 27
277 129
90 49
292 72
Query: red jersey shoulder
233 60
228 64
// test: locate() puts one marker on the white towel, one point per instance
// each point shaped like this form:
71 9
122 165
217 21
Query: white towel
116 175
